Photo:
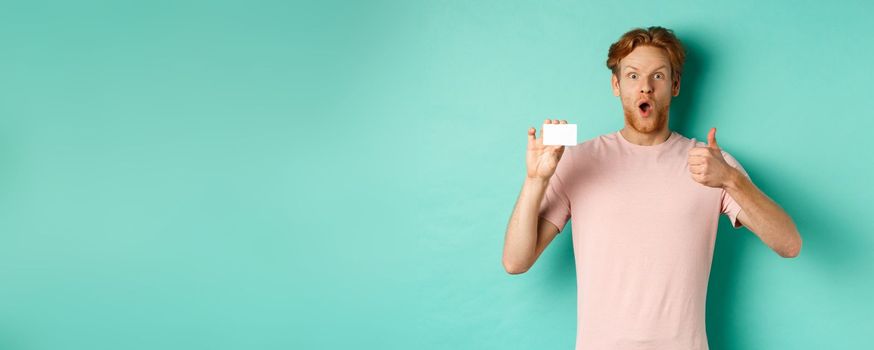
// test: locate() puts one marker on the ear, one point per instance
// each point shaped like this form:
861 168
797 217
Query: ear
675 86
614 82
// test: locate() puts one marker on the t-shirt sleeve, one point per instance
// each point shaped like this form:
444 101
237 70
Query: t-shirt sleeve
729 205
555 206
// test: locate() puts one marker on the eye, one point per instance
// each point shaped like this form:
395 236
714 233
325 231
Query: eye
659 75
632 75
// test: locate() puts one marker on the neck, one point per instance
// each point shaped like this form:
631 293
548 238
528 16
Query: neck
645 139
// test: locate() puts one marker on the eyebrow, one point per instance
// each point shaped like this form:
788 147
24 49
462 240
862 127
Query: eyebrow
635 68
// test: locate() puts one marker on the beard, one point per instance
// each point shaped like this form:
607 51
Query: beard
656 122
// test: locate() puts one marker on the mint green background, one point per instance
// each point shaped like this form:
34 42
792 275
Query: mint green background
323 174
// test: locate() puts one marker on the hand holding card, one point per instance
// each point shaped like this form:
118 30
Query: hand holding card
542 158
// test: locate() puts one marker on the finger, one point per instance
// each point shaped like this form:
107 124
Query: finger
711 139
564 121
698 152
696 161
531 134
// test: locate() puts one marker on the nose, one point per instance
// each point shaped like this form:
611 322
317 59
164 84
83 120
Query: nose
645 87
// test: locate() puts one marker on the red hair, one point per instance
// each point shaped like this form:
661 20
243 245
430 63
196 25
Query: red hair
653 36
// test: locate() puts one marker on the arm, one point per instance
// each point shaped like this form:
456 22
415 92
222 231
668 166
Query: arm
758 212
763 216
527 234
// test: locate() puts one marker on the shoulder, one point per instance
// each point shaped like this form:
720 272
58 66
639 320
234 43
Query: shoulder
590 150
597 143
731 160
689 143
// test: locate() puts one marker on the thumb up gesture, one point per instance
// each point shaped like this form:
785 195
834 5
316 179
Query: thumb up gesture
706 164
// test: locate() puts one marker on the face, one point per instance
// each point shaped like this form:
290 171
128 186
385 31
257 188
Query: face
646 85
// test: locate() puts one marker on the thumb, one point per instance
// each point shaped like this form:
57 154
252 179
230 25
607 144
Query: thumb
711 139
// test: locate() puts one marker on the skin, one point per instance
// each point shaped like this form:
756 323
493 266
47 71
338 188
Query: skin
527 234
643 74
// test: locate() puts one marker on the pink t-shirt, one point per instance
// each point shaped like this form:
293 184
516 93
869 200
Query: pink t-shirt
643 236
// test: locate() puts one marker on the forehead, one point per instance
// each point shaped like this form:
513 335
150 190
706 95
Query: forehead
646 58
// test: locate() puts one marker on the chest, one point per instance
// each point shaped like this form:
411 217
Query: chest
651 191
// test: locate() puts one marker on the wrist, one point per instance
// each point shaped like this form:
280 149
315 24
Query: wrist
536 181
734 179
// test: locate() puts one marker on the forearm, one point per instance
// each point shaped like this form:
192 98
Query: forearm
520 241
764 217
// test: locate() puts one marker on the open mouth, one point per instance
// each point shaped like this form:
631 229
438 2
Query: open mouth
645 108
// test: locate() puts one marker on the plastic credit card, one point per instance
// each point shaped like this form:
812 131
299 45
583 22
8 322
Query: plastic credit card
560 134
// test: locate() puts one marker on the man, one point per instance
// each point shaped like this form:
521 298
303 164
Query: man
644 203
